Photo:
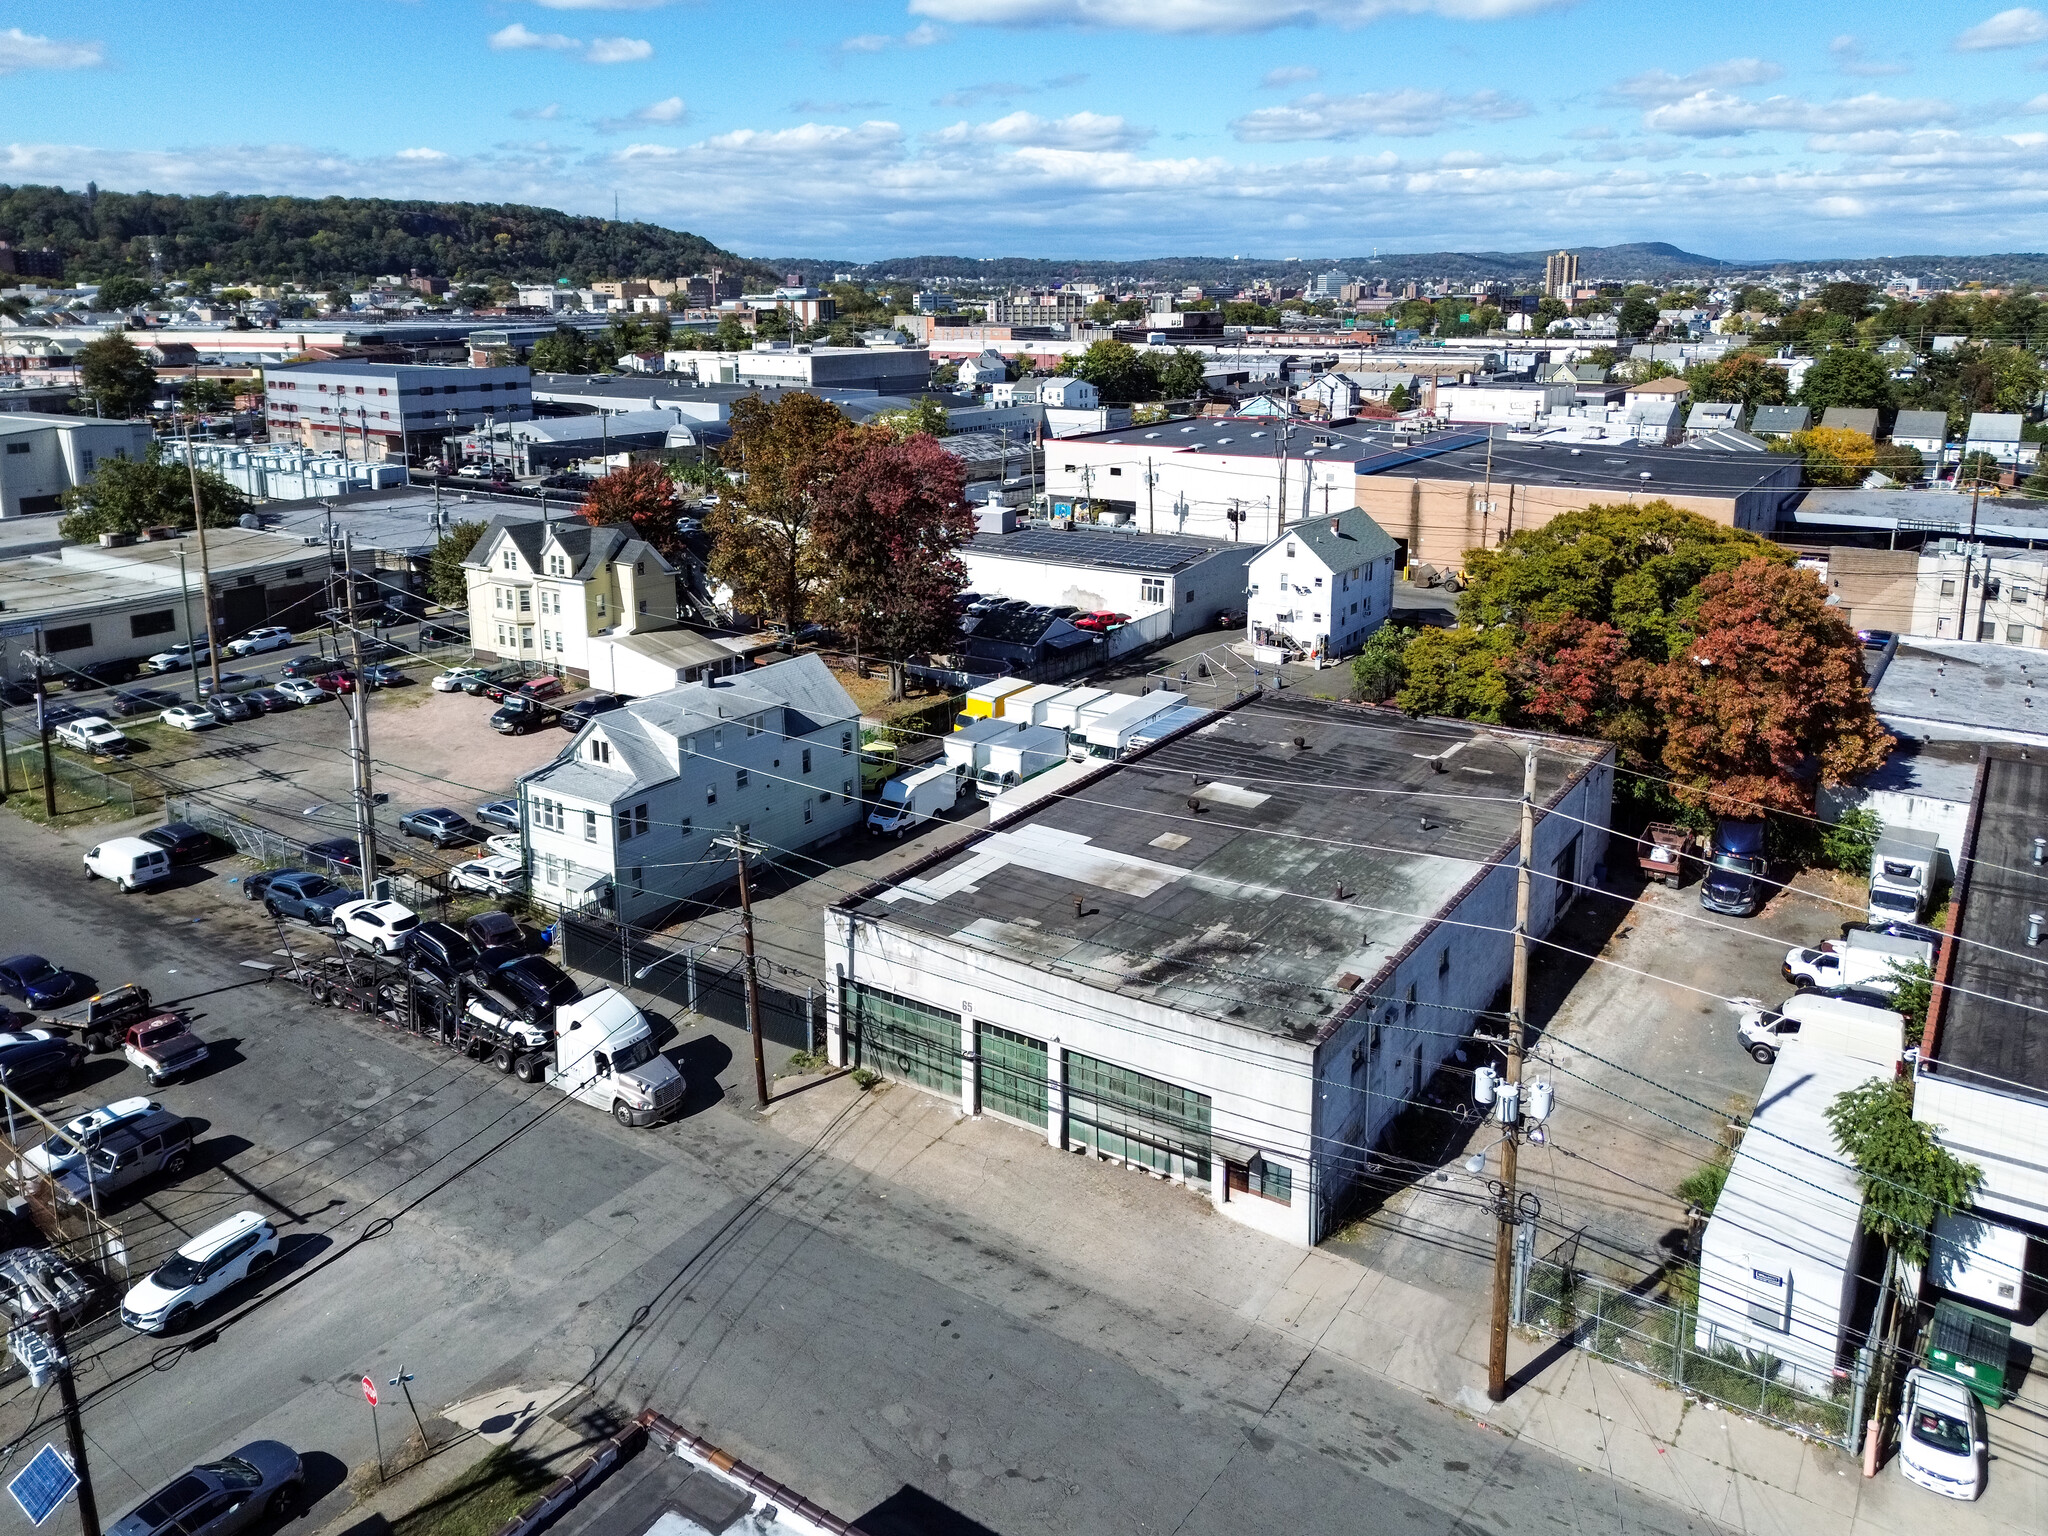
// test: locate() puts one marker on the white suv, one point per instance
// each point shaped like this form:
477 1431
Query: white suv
269 638
382 925
60 1154
216 1260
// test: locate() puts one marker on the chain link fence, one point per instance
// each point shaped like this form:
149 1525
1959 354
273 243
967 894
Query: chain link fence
1651 1326
428 895
79 788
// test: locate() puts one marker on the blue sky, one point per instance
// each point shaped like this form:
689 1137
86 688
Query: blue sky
1114 128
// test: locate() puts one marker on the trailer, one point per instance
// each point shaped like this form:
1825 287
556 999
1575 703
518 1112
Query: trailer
105 1018
600 1051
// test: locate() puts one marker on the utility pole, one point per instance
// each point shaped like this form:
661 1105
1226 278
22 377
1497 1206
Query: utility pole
35 659
205 571
1151 479
738 844
74 1431
359 726
185 601
1486 496
1518 1002
1969 546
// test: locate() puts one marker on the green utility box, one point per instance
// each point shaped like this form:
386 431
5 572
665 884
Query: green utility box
1971 1346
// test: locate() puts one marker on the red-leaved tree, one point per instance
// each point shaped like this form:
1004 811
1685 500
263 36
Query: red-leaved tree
1769 696
642 498
886 533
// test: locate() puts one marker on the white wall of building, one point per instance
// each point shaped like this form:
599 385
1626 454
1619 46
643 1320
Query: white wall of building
41 457
1324 611
1195 595
1197 492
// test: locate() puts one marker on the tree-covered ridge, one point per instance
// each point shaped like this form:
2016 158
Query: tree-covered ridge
320 242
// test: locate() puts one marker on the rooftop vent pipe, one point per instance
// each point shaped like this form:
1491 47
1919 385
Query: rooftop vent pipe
2034 922
2041 850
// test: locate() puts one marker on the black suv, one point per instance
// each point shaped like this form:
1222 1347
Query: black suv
32 1067
185 843
536 985
440 951
575 715
496 937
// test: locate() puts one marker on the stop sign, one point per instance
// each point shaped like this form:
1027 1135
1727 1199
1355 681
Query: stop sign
370 1391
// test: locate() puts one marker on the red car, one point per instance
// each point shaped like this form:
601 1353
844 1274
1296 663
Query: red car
1100 621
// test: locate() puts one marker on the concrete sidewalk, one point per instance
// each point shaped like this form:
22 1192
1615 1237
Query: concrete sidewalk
1161 1248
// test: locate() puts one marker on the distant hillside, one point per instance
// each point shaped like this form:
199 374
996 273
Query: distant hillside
1639 262
320 241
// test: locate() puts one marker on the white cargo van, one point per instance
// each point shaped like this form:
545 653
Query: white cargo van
1819 1022
129 862
912 799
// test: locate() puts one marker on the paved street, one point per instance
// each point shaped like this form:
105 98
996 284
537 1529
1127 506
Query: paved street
827 1320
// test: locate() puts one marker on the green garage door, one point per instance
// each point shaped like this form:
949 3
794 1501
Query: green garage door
1013 1075
902 1038
1137 1119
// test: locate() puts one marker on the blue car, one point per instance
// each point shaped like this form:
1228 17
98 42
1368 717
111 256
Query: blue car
302 894
38 983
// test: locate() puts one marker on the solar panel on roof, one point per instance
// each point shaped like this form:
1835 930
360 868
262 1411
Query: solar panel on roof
1084 546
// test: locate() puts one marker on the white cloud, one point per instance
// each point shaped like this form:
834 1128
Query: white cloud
517 36
1401 114
1292 74
2038 105
1659 85
923 35
867 42
423 154
26 50
1850 59
546 114
619 50
1716 114
816 107
1082 130
2015 28
1213 16
601 5
660 114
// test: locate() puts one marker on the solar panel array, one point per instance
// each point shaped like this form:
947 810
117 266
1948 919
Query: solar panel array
1090 546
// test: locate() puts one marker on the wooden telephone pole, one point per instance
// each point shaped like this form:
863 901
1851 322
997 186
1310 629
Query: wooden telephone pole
1518 1003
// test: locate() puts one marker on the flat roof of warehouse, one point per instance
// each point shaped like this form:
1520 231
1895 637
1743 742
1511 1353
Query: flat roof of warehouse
1232 913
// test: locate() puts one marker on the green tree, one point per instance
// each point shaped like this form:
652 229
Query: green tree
2037 484
1849 300
115 377
1550 310
641 497
1761 300
1845 843
1635 566
1180 376
446 582
2006 379
1239 312
129 495
926 416
1908 1177
1846 377
1638 315
565 349
122 292
1979 468
1458 672
783 455
1397 398
1115 368
1377 671
1914 996
1902 463
1742 378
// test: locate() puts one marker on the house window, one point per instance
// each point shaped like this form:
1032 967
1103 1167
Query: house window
739 779
643 605
72 637
807 815
639 567
845 790
1443 963
2019 594
1948 586
2015 634
600 605
1290 551
711 794
1268 1180
1152 589
637 818
688 823
526 637
511 561
846 741
141 624
807 759
590 826
600 750
525 600
1986 630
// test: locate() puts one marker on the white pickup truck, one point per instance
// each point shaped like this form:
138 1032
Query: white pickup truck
92 734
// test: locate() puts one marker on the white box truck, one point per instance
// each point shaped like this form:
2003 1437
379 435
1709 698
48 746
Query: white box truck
1162 726
1024 756
1903 869
1024 707
1107 736
911 799
966 750
1065 710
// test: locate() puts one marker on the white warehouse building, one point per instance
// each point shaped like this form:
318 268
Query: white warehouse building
1225 960
1094 569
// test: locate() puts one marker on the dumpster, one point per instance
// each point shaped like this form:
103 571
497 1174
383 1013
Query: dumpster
1971 1346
